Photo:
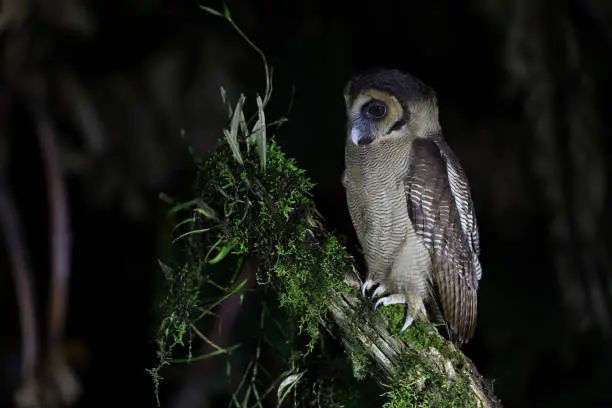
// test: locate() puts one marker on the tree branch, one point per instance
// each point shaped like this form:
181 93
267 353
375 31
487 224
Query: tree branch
388 351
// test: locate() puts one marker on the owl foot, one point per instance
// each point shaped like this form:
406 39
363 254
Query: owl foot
394 300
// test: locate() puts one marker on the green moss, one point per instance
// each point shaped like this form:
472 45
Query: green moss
270 215
177 309
421 335
361 364
420 385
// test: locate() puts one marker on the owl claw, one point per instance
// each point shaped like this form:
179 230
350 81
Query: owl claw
366 286
390 300
378 291
407 324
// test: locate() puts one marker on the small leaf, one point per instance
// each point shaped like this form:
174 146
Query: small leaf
222 254
167 270
234 145
236 115
232 135
211 11
259 133
226 11
183 206
243 125
206 210
287 384
180 224
166 198
192 232
226 102
205 356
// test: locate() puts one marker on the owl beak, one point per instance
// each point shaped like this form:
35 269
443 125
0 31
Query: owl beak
360 136
355 135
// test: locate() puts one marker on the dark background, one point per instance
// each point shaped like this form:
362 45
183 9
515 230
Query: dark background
524 94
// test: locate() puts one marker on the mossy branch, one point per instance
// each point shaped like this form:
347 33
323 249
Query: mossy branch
422 368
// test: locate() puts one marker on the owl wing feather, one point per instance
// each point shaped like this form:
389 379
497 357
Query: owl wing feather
463 199
441 211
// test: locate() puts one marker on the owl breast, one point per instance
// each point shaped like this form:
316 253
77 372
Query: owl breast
377 201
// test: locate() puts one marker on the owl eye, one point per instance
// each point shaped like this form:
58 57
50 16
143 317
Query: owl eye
375 109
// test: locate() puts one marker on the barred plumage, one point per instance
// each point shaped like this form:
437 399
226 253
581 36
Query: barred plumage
409 201
446 213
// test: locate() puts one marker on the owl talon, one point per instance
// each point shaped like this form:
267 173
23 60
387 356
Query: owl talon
378 291
390 300
367 285
407 324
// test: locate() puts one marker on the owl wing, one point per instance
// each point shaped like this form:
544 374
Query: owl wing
463 199
442 213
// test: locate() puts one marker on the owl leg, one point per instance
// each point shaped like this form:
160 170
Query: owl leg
394 300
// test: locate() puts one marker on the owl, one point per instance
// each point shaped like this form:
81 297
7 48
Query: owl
410 203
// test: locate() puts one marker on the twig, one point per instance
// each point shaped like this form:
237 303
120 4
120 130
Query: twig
268 71
24 283
60 231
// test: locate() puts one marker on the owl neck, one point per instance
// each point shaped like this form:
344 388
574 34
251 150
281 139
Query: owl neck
378 158
379 150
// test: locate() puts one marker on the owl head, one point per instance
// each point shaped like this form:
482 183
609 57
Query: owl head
387 104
